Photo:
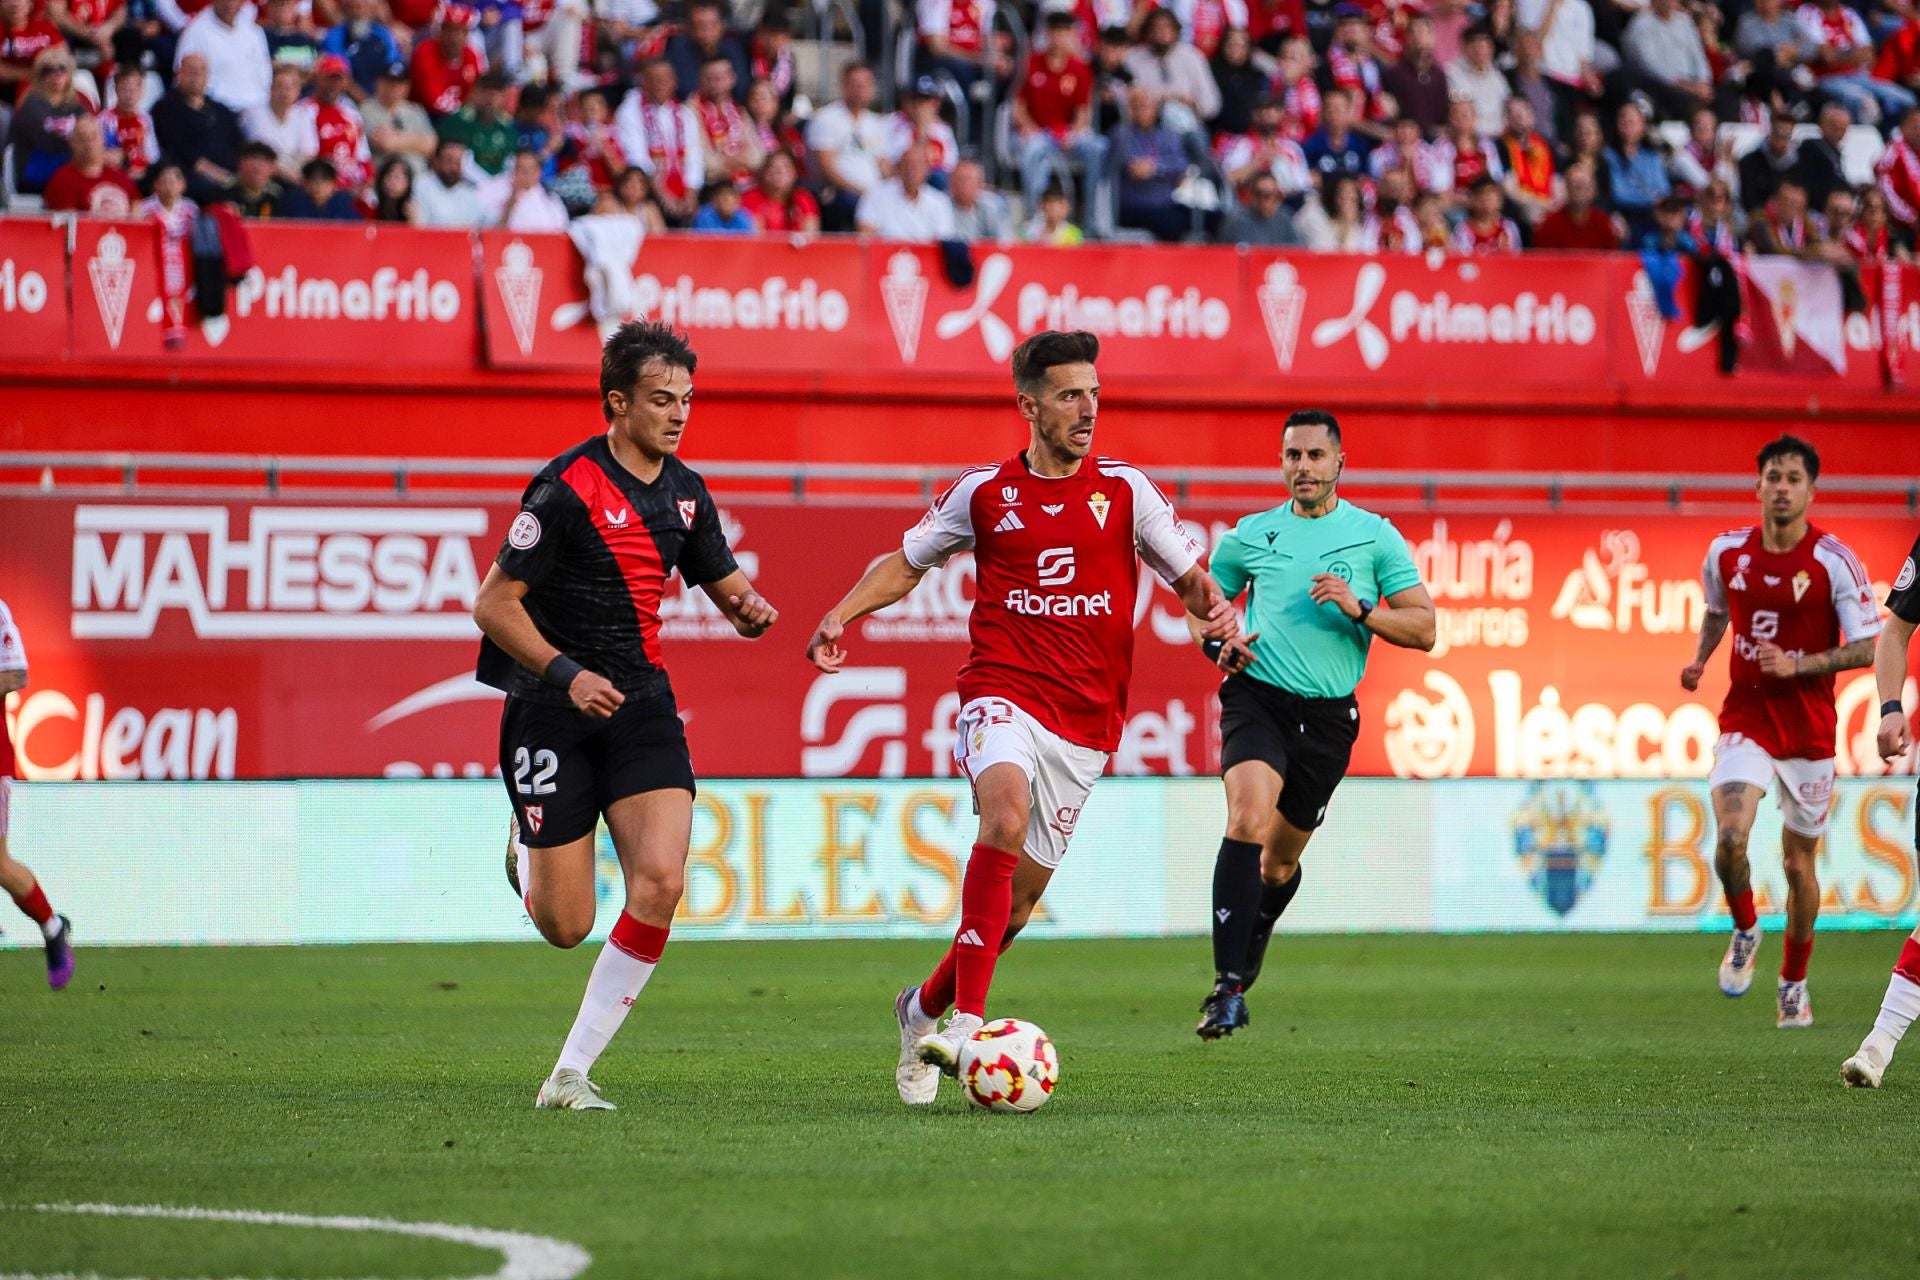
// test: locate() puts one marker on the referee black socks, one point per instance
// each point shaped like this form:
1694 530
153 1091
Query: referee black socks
1275 897
1237 901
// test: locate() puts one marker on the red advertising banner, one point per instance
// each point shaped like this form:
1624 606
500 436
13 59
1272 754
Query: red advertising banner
33 289
356 295
1587 327
281 639
1182 316
747 303
1651 351
1435 318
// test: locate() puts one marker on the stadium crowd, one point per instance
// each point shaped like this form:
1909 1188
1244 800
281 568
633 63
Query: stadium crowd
1466 126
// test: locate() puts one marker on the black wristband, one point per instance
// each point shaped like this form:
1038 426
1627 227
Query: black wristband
1891 707
561 671
1213 649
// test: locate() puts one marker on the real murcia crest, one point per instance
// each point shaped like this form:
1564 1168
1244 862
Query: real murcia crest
904 291
112 276
1801 581
1099 505
1282 302
519 282
1649 326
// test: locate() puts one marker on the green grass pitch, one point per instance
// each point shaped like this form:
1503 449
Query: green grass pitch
1401 1107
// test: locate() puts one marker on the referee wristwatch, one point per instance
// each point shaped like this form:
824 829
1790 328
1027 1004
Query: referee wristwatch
1366 607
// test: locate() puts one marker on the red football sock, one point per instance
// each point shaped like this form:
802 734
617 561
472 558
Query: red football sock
1794 967
34 903
1741 905
1909 964
936 993
644 942
986 902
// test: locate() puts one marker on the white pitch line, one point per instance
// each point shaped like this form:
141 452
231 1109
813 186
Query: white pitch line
522 1256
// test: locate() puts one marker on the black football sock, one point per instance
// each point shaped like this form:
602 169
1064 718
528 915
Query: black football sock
1236 898
1275 897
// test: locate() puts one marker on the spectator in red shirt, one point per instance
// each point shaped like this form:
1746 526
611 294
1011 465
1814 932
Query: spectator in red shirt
1053 116
23 37
776 200
87 183
445 67
1580 223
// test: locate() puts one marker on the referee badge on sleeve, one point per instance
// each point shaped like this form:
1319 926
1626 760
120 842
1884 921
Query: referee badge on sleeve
1905 579
524 532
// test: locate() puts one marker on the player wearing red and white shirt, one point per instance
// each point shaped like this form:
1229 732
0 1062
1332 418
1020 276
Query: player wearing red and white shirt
1899 172
1057 537
15 878
1800 607
1901 1005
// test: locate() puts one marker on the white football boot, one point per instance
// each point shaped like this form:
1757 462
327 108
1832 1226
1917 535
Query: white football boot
1866 1068
942 1049
1796 1010
570 1090
1737 966
918 1083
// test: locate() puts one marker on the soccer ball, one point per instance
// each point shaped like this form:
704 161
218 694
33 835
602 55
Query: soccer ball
1009 1065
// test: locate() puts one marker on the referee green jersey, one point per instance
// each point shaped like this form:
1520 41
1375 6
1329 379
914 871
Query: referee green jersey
1309 649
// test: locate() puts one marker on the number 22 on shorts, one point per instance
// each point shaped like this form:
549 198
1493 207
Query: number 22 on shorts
543 764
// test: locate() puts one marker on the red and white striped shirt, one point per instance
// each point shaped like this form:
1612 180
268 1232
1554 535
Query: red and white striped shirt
1843 30
1899 171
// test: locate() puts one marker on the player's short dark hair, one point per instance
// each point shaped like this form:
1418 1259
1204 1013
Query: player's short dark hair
1050 347
1314 418
635 345
1789 446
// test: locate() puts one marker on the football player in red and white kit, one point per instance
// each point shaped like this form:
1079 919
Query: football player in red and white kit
1902 1002
1055 536
1800 607
15 877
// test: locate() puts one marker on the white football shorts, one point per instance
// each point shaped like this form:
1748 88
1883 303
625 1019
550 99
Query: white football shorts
1804 790
1061 774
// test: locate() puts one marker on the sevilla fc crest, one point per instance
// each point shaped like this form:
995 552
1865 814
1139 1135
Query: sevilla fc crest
687 507
536 814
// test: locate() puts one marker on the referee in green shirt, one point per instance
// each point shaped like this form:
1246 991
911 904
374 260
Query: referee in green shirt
1322 578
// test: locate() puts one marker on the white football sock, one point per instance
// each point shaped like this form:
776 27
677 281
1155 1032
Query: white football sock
918 1019
616 982
1899 1009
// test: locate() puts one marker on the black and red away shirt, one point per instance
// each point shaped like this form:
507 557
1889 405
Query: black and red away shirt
594 543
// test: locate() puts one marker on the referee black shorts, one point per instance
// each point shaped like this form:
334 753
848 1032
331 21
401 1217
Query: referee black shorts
1307 741
563 768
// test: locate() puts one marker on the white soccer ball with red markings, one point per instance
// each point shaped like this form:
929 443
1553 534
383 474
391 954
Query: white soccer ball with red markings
1009 1065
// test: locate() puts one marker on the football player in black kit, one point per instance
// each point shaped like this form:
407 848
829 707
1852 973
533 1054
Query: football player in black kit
1868 1065
571 615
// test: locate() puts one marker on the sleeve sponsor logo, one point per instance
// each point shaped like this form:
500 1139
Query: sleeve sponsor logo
525 531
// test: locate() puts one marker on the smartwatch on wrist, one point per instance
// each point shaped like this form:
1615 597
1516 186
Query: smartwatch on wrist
1891 707
1366 607
1213 649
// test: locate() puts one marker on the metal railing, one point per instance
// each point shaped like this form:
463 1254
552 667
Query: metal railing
256 475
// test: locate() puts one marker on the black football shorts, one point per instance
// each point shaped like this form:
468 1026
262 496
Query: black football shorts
563 769
1307 741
